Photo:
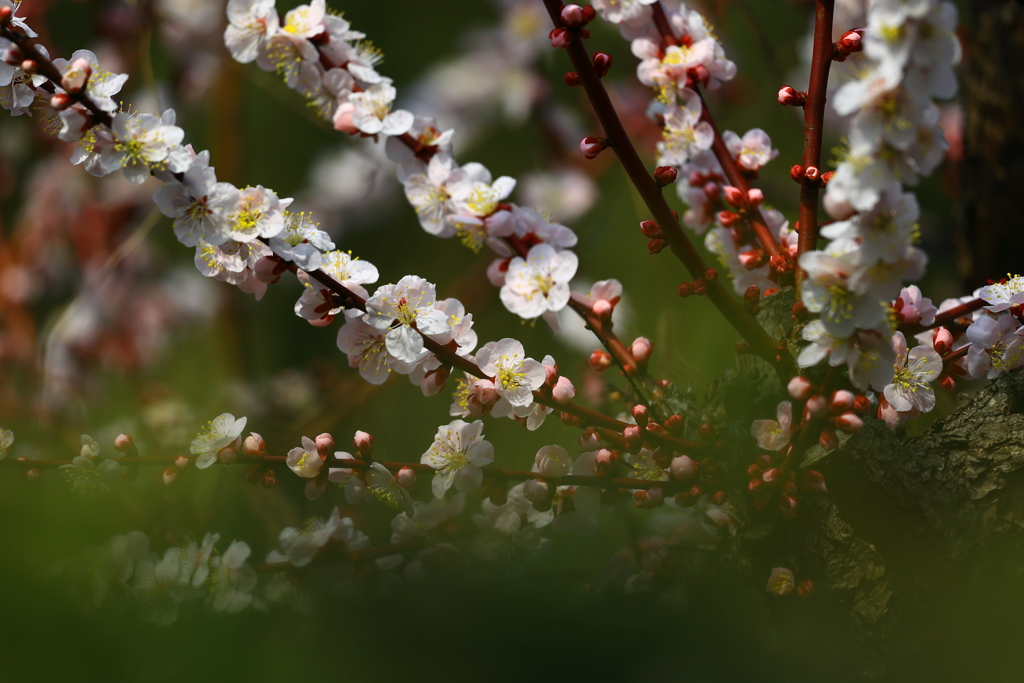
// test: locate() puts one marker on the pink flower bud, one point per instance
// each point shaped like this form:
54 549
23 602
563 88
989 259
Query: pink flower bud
655 496
849 423
817 406
76 76
750 260
842 401
602 63
61 101
560 38
572 15
755 196
641 349
773 476
254 444
603 308
434 381
600 360
30 66
633 435
812 173
790 97
733 195
828 439
537 490
799 388
683 468
589 440
788 506
269 268
590 147
182 461
943 341
124 444
170 474
324 445
482 397
641 415
563 391
606 459
665 175
227 455
364 443
406 477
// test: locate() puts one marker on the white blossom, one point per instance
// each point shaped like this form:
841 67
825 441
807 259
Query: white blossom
539 283
457 454
219 433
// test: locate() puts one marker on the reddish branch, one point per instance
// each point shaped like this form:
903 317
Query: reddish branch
758 340
814 120
948 317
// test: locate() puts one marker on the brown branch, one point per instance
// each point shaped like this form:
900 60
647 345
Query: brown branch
745 324
814 120
948 317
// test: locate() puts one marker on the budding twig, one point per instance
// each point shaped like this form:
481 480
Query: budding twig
760 342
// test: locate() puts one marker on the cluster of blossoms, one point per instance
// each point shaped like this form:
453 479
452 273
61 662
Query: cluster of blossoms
676 66
904 59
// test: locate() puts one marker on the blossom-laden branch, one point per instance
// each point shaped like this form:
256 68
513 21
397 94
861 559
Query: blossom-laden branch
650 192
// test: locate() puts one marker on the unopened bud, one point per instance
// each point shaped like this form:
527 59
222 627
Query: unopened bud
254 444
728 218
683 468
633 435
699 74
788 506
650 229
828 439
817 406
849 423
563 391
947 382
685 289
642 348
269 479
61 101
124 444
641 414
537 490
850 42
812 173
77 75
269 269
790 97
589 440
656 246
796 172
227 455
590 147
6 13
572 79
30 66
751 260
706 432
755 196
324 445
603 308
406 477
560 38
602 63
842 401
655 496
799 388
862 404
570 420
675 423
711 275
364 443
589 14
182 461
699 287
943 341
572 15
170 474
733 195
665 175
600 360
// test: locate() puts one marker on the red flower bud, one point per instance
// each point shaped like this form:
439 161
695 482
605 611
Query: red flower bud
828 439
600 360
947 382
650 229
811 480
788 506
812 173
590 147
711 275
665 175
861 404
269 479
602 62
685 289
728 218
699 287
656 246
790 97
674 423
559 37
706 432
796 172
943 341
572 79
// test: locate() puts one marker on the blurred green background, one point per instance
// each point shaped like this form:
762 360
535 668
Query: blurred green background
259 360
